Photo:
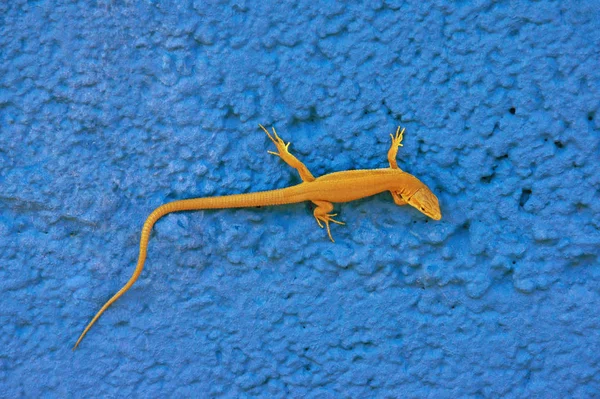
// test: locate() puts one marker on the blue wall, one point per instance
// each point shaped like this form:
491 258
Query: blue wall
109 109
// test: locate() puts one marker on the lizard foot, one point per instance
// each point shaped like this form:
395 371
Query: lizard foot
397 139
281 145
326 218
323 215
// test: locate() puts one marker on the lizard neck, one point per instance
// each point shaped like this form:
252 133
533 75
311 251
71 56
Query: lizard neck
407 185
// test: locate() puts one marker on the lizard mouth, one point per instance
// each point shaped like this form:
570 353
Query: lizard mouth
436 215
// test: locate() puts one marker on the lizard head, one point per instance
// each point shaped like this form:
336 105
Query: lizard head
426 202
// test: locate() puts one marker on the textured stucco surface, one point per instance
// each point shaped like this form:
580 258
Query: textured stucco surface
111 108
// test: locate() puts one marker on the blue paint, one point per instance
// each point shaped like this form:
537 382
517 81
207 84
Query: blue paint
110 109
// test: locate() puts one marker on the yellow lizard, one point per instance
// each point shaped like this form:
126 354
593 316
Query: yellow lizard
322 191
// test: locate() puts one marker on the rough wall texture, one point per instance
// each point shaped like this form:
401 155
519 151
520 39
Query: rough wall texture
111 108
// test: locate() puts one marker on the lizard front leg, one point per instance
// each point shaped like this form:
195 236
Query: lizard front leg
322 214
288 158
398 199
393 151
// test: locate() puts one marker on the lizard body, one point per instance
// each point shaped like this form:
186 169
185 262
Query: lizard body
323 191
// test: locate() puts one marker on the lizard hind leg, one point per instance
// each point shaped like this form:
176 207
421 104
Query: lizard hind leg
323 215
284 153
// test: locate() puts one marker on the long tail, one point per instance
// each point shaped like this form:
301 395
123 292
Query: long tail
274 197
